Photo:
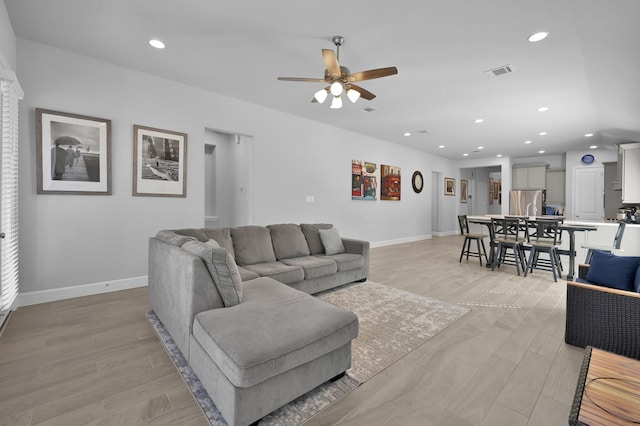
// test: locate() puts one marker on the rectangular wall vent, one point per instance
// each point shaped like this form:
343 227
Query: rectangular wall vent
496 72
369 109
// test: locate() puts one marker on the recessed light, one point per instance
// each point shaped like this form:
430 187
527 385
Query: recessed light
527 142
541 151
588 135
538 36
441 146
407 134
157 44
499 155
479 120
542 133
593 147
481 147
543 109
465 155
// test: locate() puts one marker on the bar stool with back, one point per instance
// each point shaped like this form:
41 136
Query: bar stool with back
617 241
543 237
468 237
509 234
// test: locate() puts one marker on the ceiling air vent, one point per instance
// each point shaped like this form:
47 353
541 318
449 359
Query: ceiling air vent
369 109
496 72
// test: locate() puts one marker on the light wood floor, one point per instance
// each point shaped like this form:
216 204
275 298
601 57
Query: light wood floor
95 360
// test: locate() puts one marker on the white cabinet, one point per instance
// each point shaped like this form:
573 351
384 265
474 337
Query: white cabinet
630 173
556 183
529 177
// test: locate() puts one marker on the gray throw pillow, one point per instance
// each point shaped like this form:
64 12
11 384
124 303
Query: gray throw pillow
331 241
223 269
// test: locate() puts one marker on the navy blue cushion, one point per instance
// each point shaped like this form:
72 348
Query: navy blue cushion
613 271
636 284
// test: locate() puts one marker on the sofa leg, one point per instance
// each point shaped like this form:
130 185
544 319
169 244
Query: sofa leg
255 423
338 377
362 280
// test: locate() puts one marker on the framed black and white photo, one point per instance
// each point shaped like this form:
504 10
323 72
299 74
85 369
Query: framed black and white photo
73 153
159 162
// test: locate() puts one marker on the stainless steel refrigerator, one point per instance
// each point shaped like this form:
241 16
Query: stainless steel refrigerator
527 203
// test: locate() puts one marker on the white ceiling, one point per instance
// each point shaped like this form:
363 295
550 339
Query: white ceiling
587 71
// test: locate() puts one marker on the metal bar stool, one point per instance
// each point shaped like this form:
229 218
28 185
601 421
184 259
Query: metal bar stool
617 241
508 236
468 237
543 237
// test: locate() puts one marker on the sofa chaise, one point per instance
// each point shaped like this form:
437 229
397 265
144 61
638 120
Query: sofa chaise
237 302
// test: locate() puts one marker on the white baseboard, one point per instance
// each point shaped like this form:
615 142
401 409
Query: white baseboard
43 296
400 241
445 234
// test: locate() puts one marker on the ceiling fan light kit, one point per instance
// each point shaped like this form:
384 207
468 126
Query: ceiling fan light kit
340 79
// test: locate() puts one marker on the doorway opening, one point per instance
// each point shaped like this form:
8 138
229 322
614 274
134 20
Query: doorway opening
228 175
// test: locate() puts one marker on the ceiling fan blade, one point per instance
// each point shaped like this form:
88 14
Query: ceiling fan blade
371 74
312 80
331 62
364 93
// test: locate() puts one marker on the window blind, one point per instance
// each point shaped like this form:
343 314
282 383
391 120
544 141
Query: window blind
9 93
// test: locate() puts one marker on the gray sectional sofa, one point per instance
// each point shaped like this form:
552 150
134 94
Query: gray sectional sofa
237 303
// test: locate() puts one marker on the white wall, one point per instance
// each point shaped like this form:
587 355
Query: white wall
76 240
7 40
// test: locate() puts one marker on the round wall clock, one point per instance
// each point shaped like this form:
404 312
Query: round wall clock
588 159
417 182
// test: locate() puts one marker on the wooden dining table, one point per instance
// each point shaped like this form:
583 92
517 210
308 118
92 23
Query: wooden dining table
571 229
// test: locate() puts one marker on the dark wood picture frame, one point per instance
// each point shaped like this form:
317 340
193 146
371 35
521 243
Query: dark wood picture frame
159 162
84 166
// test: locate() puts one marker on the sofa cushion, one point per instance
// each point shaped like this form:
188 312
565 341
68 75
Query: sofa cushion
274 329
173 238
288 241
286 274
346 261
310 232
222 268
313 266
331 241
252 244
613 271
636 281
222 235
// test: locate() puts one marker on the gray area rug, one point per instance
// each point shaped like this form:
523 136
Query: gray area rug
392 323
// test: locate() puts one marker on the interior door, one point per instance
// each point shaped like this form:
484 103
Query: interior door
588 193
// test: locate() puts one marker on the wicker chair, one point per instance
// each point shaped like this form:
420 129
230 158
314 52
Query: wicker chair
602 317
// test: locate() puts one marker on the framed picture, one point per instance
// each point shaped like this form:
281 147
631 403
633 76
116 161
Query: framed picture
491 198
364 180
73 153
159 162
449 186
463 190
390 182
495 190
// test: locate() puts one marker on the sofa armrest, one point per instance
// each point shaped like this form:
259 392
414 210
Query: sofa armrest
180 287
604 318
360 247
583 270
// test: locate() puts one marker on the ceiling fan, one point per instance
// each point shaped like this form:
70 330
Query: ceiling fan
340 78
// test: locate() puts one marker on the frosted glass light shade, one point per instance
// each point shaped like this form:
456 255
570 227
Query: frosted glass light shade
336 103
336 88
321 95
353 95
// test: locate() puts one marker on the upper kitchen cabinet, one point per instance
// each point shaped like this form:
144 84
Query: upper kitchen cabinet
556 187
529 176
630 173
